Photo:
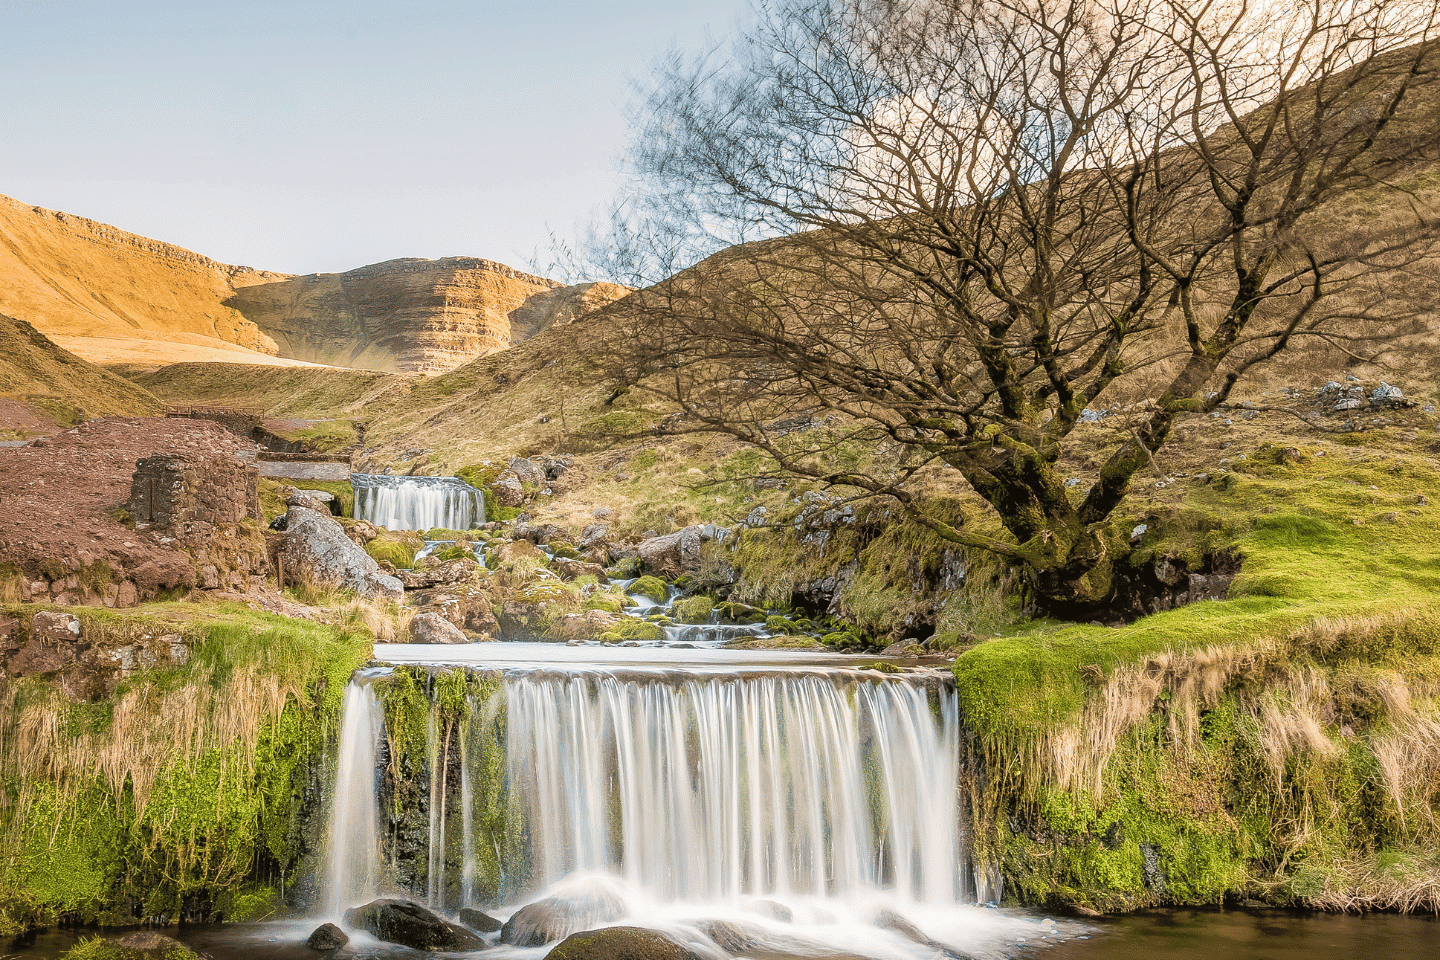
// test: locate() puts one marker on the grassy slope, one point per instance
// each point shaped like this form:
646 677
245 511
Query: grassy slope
32 366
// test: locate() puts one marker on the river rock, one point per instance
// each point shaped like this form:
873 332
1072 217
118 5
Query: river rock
467 608
510 550
508 490
554 918
327 936
892 921
451 571
673 554
621 943
479 920
530 473
411 925
147 945
433 628
316 548
570 569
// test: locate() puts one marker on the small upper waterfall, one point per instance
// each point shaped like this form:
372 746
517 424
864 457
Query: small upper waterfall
417 503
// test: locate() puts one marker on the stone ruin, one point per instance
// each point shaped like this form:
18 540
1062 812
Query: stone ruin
177 492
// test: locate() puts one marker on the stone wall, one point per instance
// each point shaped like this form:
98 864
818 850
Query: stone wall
176 491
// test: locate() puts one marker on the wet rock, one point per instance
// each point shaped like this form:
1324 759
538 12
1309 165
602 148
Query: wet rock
771 909
467 608
433 628
315 548
411 925
479 920
892 921
555 918
621 943
678 553
588 625
327 937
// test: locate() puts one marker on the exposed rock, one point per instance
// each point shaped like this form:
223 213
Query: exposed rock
772 909
479 920
315 548
570 569
411 925
554 918
508 490
327 936
467 608
362 532
530 473
673 554
433 628
451 571
621 943
53 645
587 625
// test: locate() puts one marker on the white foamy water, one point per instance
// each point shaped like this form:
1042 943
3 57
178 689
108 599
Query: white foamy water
417 503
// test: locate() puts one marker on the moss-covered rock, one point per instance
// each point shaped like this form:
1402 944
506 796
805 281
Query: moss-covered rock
639 630
698 609
620 943
651 588
141 945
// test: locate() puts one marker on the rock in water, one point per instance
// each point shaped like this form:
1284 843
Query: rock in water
411 925
316 548
433 628
892 921
145 945
327 937
478 920
621 943
553 918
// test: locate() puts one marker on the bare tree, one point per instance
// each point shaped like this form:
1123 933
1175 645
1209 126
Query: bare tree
964 221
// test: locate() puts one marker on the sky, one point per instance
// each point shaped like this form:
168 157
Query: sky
310 136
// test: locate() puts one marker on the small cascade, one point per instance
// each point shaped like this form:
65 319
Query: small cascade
417 503
352 859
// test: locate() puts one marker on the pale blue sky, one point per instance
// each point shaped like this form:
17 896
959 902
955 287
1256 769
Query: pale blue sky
318 135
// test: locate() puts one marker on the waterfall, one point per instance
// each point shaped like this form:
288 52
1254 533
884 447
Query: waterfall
696 788
353 843
417 503
768 786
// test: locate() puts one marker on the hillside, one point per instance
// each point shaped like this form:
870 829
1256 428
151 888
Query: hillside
116 297
50 381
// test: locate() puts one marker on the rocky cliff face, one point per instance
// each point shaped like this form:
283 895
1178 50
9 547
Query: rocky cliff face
411 316
95 288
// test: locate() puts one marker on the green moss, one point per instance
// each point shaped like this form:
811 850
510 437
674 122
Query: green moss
397 553
343 492
698 609
639 630
651 588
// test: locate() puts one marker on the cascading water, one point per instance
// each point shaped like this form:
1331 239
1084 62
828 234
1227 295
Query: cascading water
353 843
417 503
716 788
746 781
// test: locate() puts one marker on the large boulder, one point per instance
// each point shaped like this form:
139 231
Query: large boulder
54 643
434 575
621 943
678 553
411 925
433 628
316 548
555 918
141 945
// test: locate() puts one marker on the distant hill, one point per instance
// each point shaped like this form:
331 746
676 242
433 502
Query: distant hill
116 297
35 370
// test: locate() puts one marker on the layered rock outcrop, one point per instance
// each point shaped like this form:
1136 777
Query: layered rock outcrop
410 315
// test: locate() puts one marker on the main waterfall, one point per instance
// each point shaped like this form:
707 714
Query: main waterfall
820 789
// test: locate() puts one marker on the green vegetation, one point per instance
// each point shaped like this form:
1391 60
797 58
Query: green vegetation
179 782
396 548
696 609
651 588
1276 744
